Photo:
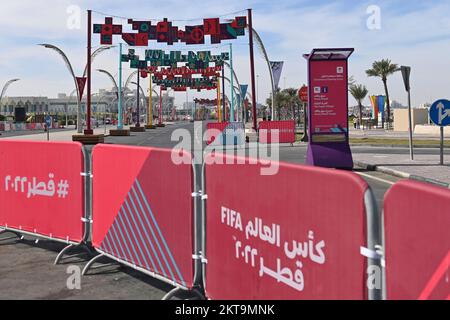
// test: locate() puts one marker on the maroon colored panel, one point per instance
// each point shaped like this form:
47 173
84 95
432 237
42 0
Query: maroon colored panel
45 198
296 236
136 217
417 218
212 26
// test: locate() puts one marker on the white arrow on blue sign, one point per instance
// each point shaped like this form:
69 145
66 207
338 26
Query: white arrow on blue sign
440 113
48 121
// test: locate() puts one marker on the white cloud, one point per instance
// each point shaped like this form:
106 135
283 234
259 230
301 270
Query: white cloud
416 37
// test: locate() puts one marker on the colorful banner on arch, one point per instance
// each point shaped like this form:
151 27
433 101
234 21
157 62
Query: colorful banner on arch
165 32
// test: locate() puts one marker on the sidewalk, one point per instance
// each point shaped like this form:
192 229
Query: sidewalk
56 135
385 134
424 168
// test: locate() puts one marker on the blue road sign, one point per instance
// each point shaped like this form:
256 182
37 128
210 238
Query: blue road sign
48 121
440 113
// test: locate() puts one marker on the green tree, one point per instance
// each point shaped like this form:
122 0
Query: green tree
285 99
292 99
280 102
359 92
383 69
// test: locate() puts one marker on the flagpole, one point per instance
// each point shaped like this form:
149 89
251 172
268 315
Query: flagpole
223 95
160 107
119 107
89 130
219 109
252 69
150 102
232 85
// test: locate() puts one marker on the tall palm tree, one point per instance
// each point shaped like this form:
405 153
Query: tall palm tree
292 99
359 92
278 100
383 69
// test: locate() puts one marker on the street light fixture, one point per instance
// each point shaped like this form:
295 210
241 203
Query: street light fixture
139 102
70 68
5 88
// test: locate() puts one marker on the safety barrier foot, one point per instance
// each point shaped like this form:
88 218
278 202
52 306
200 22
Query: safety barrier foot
62 253
91 263
175 291
17 236
69 247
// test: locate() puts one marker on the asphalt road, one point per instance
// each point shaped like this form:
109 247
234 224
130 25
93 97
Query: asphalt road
27 271
379 182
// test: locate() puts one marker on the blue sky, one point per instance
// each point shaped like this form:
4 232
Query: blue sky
413 32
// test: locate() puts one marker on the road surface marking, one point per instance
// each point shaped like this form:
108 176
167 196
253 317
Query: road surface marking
376 178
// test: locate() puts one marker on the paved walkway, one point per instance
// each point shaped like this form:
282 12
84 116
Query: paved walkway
65 135
424 167
384 134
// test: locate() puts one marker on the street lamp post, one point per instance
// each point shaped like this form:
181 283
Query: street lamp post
5 88
406 72
70 68
138 127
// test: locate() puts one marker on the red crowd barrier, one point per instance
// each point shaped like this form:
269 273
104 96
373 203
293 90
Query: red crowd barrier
417 220
143 211
214 129
42 191
286 131
294 235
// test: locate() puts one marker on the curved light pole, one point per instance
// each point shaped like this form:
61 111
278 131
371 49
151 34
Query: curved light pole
113 80
260 44
5 88
237 90
132 99
143 97
70 68
130 78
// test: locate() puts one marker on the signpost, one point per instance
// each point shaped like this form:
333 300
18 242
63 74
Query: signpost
48 123
328 109
303 96
406 72
440 115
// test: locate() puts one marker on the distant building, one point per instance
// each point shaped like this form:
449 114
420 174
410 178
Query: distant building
397 105
105 101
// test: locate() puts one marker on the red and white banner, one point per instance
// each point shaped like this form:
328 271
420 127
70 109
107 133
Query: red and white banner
143 210
215 130
417 220
271 131
41 190
226 133
294 235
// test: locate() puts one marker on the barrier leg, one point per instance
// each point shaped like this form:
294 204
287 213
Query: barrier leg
91 263
374 242
69 247
61 254
175 291
16 235
171 294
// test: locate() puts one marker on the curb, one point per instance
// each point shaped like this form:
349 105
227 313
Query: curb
393 146
400 174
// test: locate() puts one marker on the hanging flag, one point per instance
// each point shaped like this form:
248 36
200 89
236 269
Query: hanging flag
81 81
244 89
277 68
374 102
381 103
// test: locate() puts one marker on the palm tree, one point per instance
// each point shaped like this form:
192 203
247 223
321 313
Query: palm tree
383 69
359 92
292 99
278 101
